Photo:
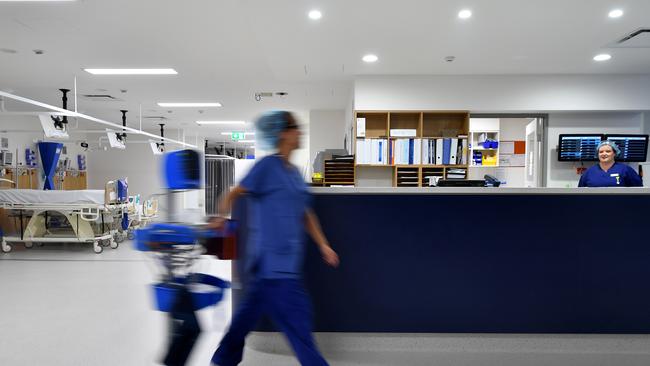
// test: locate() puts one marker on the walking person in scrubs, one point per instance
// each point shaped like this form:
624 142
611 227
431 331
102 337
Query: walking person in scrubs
280 216
608 172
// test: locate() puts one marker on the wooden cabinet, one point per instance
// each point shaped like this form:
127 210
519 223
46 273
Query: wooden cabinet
72 180
24 178
28 178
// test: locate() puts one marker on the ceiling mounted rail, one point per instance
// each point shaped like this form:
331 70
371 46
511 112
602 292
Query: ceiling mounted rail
91 118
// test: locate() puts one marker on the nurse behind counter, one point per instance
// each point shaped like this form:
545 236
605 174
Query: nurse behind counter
609 173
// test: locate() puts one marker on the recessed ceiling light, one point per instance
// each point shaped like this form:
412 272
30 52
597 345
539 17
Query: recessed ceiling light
602 57
616 13
315 14
220 122
465 14
189 105
132 71
370 58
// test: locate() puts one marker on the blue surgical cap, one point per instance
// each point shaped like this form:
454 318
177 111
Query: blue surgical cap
269 126
612 144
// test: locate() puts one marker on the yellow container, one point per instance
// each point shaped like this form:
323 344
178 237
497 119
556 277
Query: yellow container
489 160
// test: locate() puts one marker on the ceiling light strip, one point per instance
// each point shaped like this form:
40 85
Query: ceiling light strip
188 105
167 71
212 123
90 118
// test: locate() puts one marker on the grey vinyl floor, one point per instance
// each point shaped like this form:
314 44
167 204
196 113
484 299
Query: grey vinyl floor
64 305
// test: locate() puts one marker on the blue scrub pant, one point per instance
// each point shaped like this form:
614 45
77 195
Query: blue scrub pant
286 301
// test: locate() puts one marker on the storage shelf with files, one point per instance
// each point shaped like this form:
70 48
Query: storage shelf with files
410 141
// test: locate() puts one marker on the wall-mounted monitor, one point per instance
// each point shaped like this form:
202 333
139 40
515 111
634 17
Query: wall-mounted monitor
114 141
634 148
157 148
579 147
582 147
50 129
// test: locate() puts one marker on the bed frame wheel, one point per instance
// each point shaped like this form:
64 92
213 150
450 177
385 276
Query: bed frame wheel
6 247
29 244
118 237
114 244
97 247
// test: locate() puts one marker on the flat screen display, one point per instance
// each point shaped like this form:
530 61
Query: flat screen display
582 147
574 147
633 147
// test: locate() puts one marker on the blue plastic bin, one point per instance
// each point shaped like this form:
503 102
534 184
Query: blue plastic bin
165 293
165 236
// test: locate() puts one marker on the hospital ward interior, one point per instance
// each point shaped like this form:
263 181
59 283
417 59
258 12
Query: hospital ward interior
368 183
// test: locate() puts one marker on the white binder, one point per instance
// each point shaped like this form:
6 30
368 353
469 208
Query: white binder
439 151
453 151
361 127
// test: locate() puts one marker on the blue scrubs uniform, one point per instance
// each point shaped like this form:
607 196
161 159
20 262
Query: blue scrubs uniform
619 175
280 199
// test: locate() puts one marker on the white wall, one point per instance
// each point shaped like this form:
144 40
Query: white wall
563 174
136 162
373 176
513 129
349 117
300 157
326 131
501 93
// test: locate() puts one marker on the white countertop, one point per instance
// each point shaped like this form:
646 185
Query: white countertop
480 190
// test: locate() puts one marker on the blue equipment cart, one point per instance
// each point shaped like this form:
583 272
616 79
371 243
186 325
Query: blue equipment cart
180 292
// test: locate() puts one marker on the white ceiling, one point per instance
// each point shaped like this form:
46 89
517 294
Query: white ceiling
226 50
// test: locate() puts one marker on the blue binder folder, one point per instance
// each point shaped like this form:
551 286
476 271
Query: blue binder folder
446 151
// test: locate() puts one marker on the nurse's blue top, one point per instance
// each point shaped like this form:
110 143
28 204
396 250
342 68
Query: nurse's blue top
619 175
279 201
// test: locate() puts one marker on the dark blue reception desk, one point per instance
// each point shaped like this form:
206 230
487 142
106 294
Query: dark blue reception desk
482 260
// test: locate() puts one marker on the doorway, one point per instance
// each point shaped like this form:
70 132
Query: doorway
508 147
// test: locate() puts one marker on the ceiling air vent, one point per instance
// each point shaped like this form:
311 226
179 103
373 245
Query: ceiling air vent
101 98
640 38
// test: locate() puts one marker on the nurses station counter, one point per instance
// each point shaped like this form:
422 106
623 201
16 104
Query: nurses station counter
482 260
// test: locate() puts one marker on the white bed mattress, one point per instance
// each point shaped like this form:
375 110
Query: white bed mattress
33 196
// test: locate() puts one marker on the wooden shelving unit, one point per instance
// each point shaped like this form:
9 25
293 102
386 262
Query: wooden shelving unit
429 171
427 125
339 172
407 176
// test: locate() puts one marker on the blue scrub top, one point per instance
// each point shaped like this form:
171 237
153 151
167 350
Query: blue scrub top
280 199
619 175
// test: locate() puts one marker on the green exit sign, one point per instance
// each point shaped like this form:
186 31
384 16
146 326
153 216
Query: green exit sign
235 136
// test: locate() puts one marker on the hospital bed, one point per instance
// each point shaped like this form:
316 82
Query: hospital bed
140 213
86 216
